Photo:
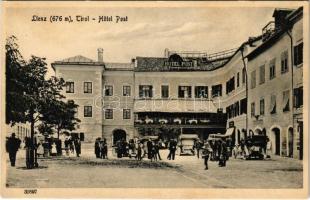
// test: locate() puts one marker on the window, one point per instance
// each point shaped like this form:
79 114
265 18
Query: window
126 91
243 105
262 74
272 69
298 54
253 79
108 113
108 90
185 92
262 107
87 87
126 113
145 91
201 92
253 109
286 100
88 111
238 79
243 75
217 90
298 97
284 64
273 104
164 91
230 85
69 87
237 108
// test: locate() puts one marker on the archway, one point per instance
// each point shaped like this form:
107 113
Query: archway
258 131
290 142
276 140
118 134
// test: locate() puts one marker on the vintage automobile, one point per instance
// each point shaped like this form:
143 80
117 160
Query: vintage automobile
254 146
186 144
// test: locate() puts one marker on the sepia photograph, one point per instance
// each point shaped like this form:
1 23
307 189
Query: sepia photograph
154 99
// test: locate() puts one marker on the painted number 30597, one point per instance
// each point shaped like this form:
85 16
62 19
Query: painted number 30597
30 191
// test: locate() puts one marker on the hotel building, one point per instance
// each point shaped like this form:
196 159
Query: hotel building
193 92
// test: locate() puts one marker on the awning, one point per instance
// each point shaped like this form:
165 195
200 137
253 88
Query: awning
229 132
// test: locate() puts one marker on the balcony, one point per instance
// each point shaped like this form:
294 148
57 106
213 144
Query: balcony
180 120
269 30
192 105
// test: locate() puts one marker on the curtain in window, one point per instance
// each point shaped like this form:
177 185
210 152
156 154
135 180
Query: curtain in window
286 100
273 104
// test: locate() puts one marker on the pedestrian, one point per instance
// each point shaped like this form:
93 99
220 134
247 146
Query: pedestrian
12 146
198 146
139 150
77 145
71 145
153 152
157 150
172 149
67 143
207 150
40 149
103 149
222 153
97 147
119 149
149 146
54 149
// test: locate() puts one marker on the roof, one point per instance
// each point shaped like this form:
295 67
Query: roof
291 17
78 58
119 66
159 64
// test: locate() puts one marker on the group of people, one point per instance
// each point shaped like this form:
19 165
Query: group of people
72 145
215 151
101 148
137 148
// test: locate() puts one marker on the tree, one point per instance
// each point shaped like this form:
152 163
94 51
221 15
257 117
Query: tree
28 92
15 108
60 114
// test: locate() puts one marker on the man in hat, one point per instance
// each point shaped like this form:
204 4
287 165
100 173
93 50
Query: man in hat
12 146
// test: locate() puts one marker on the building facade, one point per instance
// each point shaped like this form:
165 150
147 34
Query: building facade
196 92
275 96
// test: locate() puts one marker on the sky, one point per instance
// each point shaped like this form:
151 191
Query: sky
148 31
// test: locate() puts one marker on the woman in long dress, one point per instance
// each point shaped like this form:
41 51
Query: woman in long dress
40 150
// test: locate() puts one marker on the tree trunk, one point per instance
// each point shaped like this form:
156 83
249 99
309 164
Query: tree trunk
58 131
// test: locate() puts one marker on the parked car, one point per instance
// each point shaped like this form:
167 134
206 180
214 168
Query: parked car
255 146
186 144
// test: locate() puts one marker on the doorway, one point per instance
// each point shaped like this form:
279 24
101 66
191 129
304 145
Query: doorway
276 132
118 135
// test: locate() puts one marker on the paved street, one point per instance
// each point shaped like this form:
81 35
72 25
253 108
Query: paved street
185 171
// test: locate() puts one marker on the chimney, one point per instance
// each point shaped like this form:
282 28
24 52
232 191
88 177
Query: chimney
100 54
166 54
